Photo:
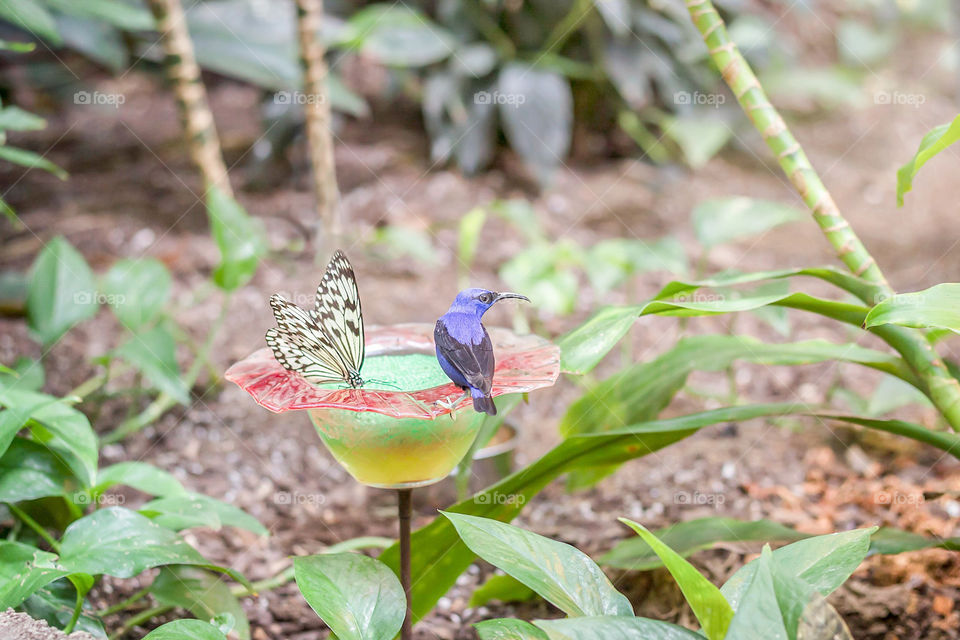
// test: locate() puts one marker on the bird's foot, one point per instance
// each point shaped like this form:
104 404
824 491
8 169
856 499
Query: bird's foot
449 405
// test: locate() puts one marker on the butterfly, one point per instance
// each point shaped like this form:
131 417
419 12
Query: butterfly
323 344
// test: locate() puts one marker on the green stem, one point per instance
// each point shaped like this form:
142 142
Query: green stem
77 608
164 402
941 387
267 584
943 440
33 524
90 385
568 25
140 618
490 29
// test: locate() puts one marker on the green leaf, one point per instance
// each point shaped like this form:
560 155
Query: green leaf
196 510
893 393
137 290
686 538
504 588
560 573
55 425
611 262
61 291
398 36
30 160
721 220
16 119
614 628
56 602
936 307
29 470
27 375
24 570
118 542
543 272
709 605
508 629
31 16
759 616
888 540
153 352
700 135
118 13
947 441
936 140
239 237
823 561
357 597
439 556
536 108
201 593
141 476
471 224
17 47
185 630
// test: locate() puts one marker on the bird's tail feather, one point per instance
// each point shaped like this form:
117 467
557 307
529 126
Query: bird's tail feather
483 403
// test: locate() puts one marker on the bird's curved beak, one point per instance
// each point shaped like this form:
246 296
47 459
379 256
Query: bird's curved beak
505 295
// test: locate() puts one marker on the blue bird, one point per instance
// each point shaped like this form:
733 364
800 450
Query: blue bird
464 348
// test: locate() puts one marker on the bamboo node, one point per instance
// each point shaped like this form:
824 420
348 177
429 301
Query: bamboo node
792 149
859 271
726 47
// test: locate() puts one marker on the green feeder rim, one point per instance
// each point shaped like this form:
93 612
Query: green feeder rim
524 363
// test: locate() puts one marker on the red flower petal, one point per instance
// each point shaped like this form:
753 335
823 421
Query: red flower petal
524 363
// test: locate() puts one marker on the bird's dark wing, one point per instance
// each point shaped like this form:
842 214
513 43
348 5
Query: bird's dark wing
474 361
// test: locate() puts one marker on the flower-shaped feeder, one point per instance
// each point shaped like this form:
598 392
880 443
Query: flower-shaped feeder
399 430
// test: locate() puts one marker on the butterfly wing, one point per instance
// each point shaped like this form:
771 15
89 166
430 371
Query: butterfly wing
337 312
299 345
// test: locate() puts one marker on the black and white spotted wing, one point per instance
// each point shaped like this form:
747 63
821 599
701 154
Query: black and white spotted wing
325 344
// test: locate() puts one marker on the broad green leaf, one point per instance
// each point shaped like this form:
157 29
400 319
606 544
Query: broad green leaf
55 603
32 17
586 345
99 41
196 510
891 393
560 573
61 292
544 272
504 588
439 556
29 470
358 597
508 629
122 543
937 307
936 140
16 119
200 592
141 476
239 237
700 135
711 608
611 262
26 375
398 36
823 561
121 14
137 290
614 628
758 615
24 570
686 538
57 426
186 630
153 352
30 160
471 224
888 540
640 392
536 108
861 44
16 415
721 220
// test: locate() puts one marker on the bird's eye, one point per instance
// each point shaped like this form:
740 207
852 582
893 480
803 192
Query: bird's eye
485 298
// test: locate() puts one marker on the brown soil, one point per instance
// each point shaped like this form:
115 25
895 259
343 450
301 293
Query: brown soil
20 626
132 193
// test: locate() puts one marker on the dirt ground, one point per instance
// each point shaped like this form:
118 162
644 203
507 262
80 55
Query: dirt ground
132 192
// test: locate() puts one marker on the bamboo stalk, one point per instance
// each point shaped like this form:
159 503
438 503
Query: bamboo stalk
316 110
203 143
939 385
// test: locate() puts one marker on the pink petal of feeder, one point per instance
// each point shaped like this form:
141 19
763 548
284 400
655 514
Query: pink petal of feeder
393 433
